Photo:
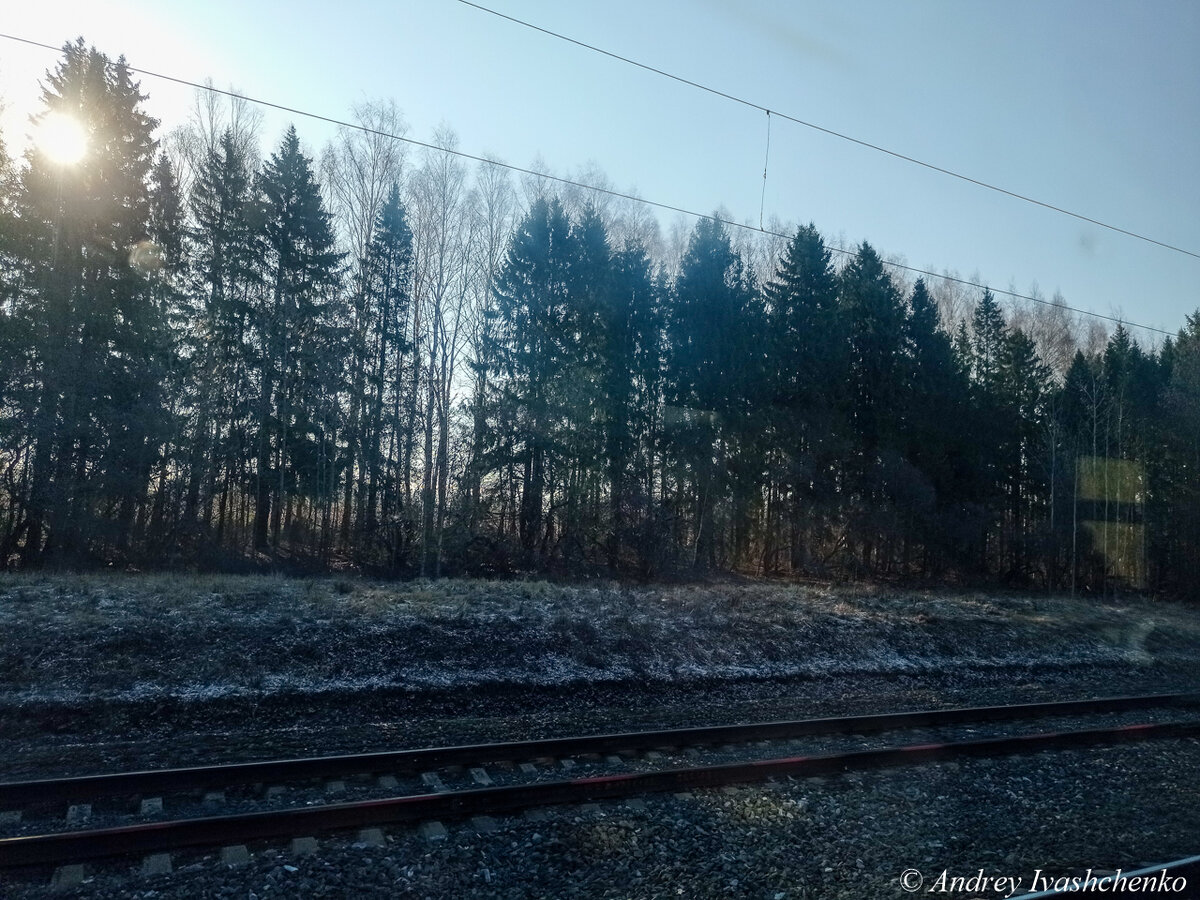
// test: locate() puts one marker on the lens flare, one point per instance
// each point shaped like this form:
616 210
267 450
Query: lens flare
146 255
61 138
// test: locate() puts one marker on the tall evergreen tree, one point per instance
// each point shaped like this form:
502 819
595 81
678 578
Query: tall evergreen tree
229 279
934 407
876 320
94 325
714 357
808 363
388 274
17 391
1177 483
298 352
991 422
591 289
1026 390
804 323
631 328
147 453
988 334
533 347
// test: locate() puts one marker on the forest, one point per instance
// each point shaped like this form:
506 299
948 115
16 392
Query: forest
405 363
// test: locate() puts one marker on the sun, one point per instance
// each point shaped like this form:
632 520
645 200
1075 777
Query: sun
61 138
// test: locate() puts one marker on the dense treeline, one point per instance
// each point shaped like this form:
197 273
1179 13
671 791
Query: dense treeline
211 358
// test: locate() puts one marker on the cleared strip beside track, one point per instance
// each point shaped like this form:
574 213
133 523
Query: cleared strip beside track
50 790
219 830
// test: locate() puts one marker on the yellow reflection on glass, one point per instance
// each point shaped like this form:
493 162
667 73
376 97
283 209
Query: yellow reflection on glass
1110 502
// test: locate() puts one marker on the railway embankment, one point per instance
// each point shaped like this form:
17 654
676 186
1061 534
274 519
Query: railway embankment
151 668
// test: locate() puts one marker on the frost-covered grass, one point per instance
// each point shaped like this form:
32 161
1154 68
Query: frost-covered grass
73 637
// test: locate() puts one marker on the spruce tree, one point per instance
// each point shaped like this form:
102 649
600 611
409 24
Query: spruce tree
163 260
592 283
808 365
93 324
1026 388
388 273
934 407
228 280
298 348
14 341
631 366
532 349
715 359
876 321
18 392
988 334
1175 511
992 424
807 346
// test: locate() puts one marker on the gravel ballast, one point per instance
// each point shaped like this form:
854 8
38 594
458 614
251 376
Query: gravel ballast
850 836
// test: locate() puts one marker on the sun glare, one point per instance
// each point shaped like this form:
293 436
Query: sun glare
60 137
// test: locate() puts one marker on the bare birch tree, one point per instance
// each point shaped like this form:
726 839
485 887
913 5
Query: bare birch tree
359 168
493 206
441 241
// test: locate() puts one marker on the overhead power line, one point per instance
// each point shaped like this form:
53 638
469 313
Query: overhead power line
837 134
341 123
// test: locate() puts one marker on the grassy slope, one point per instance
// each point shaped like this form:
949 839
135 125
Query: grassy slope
78 637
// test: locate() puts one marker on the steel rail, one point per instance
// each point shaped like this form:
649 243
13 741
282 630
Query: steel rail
150 782
159 837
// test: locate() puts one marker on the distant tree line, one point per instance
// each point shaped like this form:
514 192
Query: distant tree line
208 358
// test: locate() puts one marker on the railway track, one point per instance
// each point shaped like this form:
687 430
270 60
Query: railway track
602 763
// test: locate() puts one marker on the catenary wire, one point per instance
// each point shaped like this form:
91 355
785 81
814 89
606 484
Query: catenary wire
829 131
341 123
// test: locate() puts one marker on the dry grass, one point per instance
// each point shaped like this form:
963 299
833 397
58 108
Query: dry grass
80 636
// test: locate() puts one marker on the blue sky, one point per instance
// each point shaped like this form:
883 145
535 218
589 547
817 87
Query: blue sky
1091 106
